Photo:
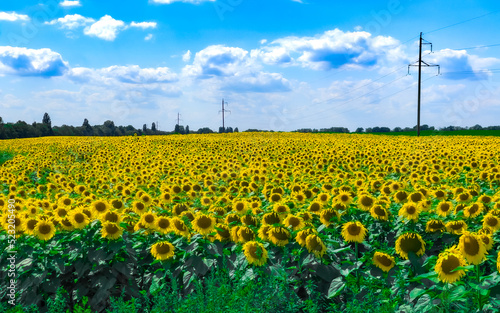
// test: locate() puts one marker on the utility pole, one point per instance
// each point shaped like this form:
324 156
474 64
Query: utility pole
178 118
420 76
223 110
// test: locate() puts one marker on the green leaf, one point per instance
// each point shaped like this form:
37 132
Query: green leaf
466 268
336 287
415 261
424 304
417 292
457 293
424 276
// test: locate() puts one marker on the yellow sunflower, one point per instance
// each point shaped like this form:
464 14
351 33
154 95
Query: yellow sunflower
456 227
179 227
444 208
315 207
447 264
294 222
492 222
353 232
473 210
245 234
255 253
44 230
379 212
279 235
203 224
472 248
344 197
410 242
163 250
301 236
163 225
365 202
328 216
409 211
111 230
383 261
100 207
315 245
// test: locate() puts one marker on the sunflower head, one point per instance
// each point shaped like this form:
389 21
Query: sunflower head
294 222
410 242
111 230
379 212
447 264
163 250
456 227
315 245
255 253
328 216
279 235
44 230
472 248
353 232
383 261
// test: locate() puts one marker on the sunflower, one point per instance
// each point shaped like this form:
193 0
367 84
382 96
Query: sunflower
60 213
66 224
65 201
117 205
255 253
353 232
378 212
112 217
447 264
279 235
263 232
416 197
179 227
492 222
444 208
365 202
383 261
163 250
344 197
29 226
163 225
275 197
328 216
400 196
463 197
472 248
281 208
148 220
473 210
44 230
232 219
223 232
410 242
409 211
315 207
249 220
487 240
440 195
456 227
245 234
301 236
166 197
315 245
111 230
203 224
294 222
100 207
139 207
323 197
240 207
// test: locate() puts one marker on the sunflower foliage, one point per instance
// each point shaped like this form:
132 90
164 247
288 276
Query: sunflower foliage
329 222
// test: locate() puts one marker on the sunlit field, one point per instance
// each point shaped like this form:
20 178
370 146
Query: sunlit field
247 222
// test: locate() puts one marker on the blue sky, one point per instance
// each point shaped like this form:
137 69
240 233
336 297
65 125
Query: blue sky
280 64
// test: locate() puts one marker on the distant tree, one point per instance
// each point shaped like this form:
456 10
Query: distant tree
204 130
187 129
153 127
236 130
229 129
109 128
176 129
424 127
48 123
476 127
1 121
397 129
144 128
369 130
181 130
359 130
86 128
222 130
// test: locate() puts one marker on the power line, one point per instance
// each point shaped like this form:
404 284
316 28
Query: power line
462 22
223 111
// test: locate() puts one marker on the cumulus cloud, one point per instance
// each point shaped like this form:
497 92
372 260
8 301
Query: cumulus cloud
143 25
13 16
132 74
458 64
186 57
68 3
184 1
31 62
71 21
106 28
148 37
330 50
258 82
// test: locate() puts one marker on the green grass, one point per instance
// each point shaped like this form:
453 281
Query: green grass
5 156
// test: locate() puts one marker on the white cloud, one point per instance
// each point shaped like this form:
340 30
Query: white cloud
148 37
332 49
186 57
458 64
71 21
31 62
106 28
12 17
68 3
184 1
132 74
263 41
143 25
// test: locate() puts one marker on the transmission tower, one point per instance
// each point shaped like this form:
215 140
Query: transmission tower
223 111
420 75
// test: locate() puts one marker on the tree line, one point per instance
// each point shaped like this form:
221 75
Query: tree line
21 129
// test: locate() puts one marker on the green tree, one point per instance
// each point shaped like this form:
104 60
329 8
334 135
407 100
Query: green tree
153 127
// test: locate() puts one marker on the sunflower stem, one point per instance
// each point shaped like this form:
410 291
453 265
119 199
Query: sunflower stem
357 267
478 277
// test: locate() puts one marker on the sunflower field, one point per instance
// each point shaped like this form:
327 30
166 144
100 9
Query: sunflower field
389 223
